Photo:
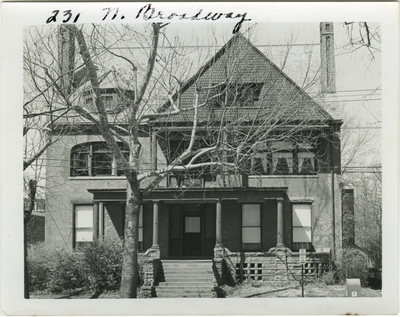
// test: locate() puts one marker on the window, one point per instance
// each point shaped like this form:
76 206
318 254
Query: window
96 159
244 94
282 163
185 180
283 158
301 218
259 164
306 161
251 230
83 231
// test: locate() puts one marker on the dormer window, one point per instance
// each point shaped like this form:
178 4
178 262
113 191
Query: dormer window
239 95
96 159
113 99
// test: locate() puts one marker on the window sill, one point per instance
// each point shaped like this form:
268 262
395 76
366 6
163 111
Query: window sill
95 177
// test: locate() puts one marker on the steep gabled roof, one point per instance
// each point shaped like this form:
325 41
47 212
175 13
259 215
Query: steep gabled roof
240 61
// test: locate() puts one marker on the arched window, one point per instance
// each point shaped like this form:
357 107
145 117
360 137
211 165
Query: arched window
96 159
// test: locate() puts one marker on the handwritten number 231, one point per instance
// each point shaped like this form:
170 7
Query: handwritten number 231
67 14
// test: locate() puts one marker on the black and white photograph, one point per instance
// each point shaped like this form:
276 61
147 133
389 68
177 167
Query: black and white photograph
200 159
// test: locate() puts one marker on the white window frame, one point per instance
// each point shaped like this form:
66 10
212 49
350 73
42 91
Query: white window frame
302 222
79 227
255 227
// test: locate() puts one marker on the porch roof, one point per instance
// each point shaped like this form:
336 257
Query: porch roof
208 194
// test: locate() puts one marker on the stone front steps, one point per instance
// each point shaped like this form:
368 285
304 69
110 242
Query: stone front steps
184 278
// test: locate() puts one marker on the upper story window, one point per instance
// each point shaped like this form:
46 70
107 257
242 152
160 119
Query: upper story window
242 95
113 99
284 158
96 159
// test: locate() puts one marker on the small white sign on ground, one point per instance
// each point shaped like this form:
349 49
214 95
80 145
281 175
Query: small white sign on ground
302 256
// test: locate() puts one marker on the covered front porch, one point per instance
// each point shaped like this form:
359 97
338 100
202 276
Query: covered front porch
242 232
196 222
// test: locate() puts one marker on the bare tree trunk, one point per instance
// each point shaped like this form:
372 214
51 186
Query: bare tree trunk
130 269
27 215
26 272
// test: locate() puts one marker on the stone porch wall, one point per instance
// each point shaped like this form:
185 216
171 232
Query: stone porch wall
274 265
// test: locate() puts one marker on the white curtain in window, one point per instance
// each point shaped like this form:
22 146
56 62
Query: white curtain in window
84 216
83 223
303 156
264 160
301 223
288 156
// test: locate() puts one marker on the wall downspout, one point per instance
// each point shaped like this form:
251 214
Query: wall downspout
333 193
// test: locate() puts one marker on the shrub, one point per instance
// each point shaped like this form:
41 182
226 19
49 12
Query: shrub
348 263
39 266
54 270
102 261
66 272
355 265
96 267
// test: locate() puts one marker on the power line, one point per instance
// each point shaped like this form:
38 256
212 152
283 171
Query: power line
360 128
216 46
358 100
351 90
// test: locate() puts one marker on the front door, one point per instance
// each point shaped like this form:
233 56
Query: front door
191 230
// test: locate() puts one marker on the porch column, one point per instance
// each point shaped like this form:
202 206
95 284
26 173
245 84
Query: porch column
218 241
279 235
101 220
95 221
155 226
153 150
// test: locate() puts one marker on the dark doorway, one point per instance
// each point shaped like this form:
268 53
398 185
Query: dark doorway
192 244
191 230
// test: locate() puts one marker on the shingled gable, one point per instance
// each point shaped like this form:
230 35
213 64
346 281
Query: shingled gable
240 61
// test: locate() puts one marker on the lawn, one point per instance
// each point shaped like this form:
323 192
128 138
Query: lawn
265 289
250 290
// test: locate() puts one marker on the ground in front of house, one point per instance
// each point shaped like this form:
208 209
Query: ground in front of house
250 290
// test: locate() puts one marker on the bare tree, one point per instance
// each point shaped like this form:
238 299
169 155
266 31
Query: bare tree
364 35
368 214
227 129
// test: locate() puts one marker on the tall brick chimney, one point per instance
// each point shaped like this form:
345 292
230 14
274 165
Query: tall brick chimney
328 97
328 80
66 57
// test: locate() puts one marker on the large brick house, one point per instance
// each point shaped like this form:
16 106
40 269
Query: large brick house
250 222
